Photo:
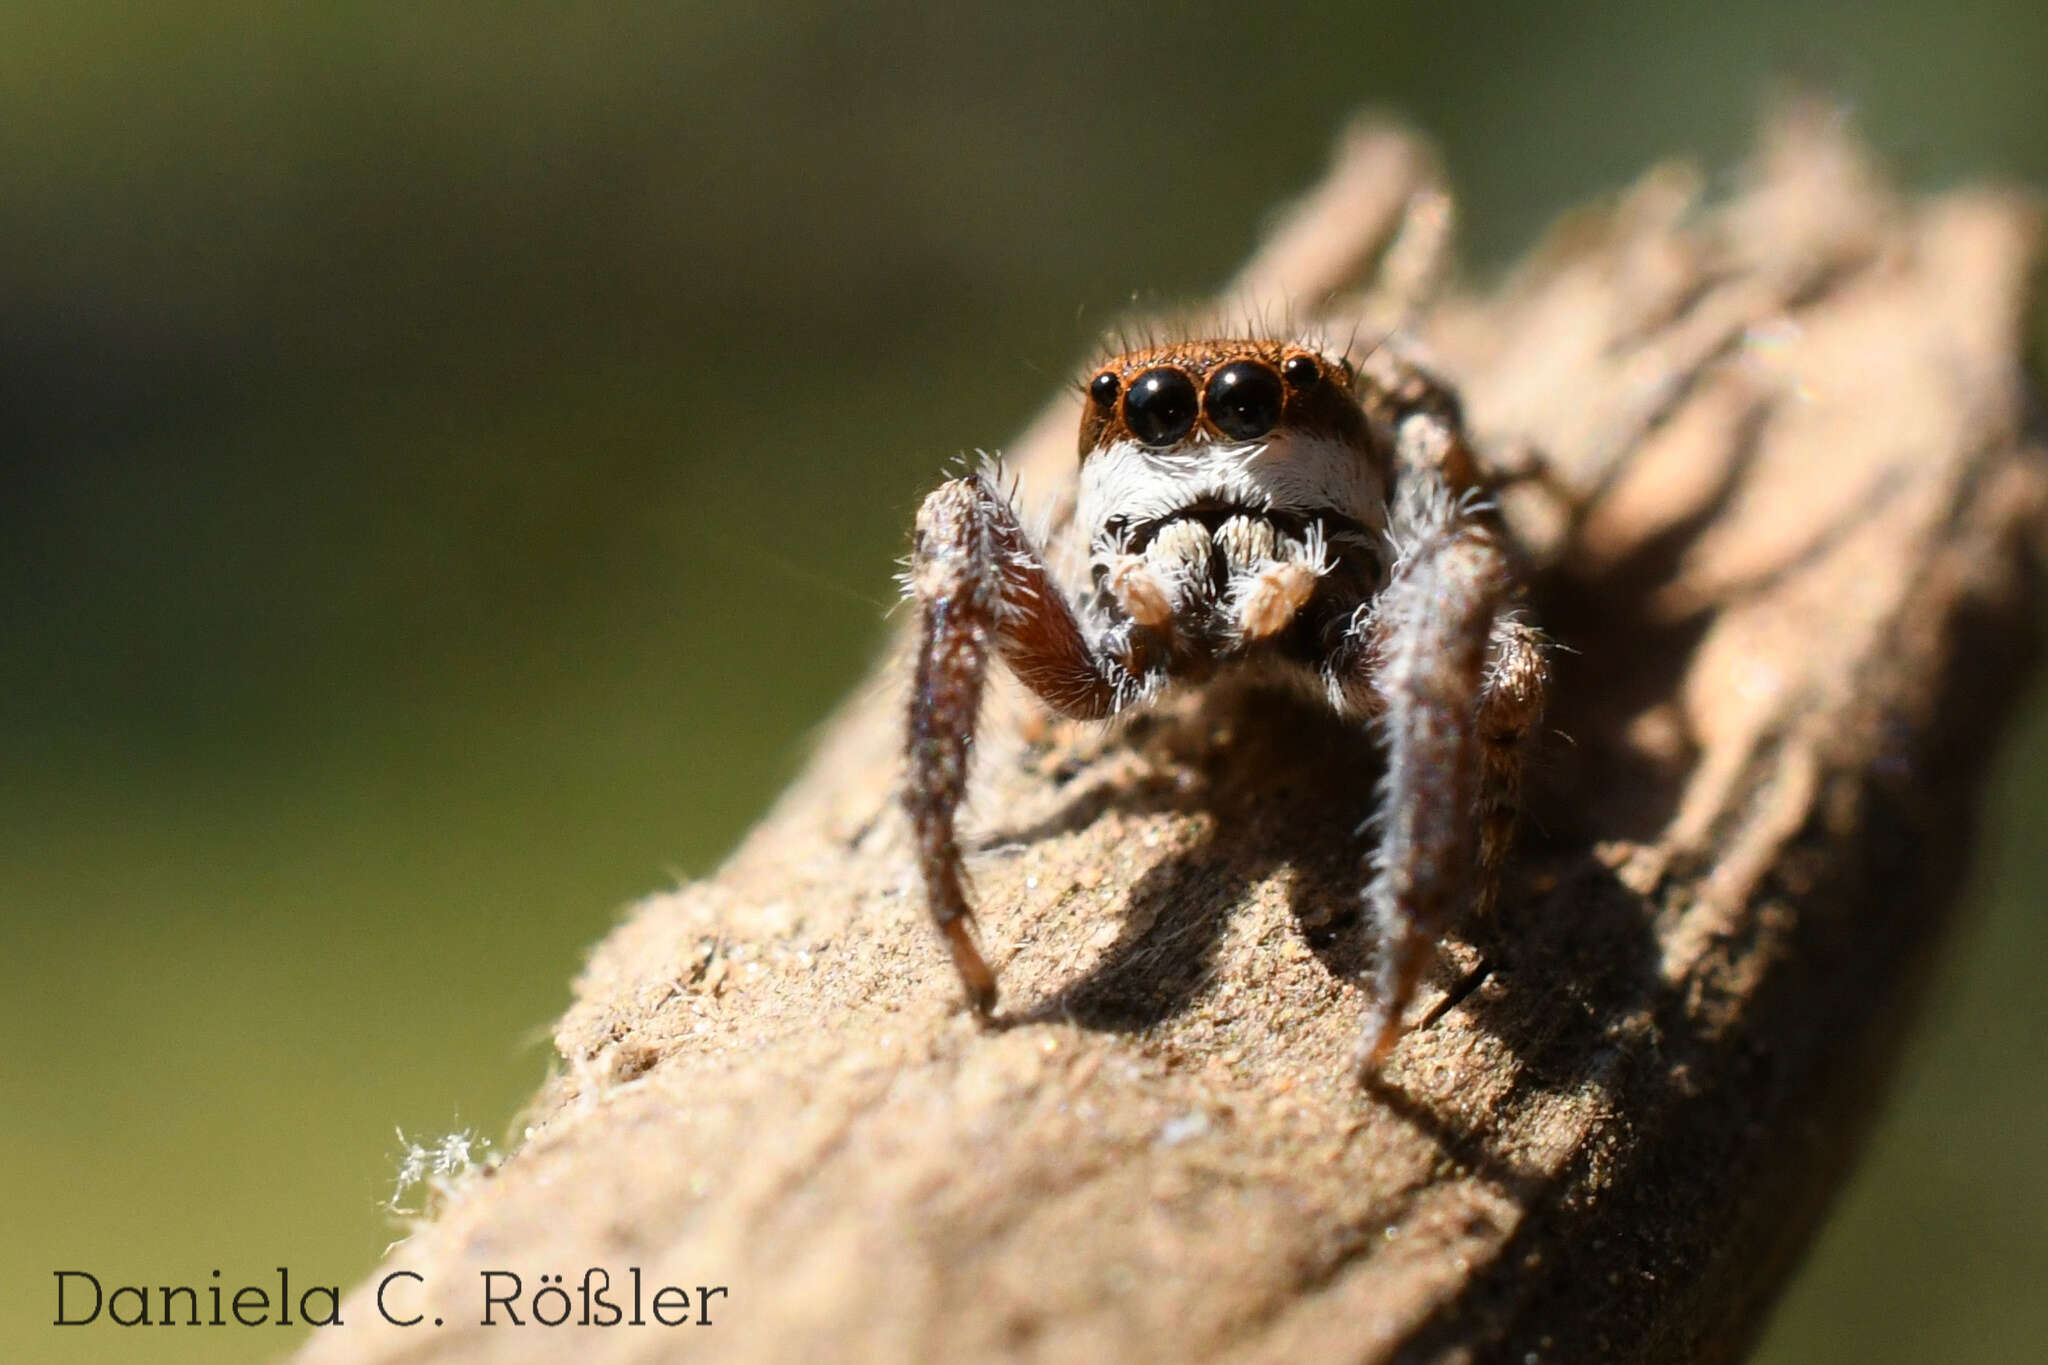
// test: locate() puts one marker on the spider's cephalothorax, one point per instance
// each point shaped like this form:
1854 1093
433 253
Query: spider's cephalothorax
1252 505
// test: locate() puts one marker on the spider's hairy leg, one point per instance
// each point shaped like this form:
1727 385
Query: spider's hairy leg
1510 708
1401 388
1430 628
980 585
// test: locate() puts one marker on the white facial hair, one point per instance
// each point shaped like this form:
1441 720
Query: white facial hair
1303 475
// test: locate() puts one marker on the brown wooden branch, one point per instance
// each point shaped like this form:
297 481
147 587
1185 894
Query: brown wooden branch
1796 595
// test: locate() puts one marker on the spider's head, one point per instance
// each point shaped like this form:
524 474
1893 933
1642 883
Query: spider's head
1263 426
1225 392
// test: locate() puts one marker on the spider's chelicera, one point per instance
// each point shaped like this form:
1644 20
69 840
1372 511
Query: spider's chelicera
1259 506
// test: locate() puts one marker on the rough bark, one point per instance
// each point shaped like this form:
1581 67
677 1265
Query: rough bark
1793 581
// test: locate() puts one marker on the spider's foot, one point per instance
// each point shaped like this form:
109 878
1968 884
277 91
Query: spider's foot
977 982
1375 1045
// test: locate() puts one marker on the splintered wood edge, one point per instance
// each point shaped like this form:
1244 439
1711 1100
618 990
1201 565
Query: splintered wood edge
1800 593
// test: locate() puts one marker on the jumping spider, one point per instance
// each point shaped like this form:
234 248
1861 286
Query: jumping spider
1260 506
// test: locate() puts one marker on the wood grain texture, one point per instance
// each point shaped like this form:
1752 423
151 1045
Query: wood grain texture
1795 583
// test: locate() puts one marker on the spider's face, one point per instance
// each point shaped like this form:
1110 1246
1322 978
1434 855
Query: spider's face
1259 425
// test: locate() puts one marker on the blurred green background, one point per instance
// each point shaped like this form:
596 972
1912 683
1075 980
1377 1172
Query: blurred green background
453 454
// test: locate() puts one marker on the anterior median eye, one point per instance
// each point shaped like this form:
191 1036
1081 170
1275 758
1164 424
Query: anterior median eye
1160 406
1244 400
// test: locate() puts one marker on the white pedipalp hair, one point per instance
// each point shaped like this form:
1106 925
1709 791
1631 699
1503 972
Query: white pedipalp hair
1316 550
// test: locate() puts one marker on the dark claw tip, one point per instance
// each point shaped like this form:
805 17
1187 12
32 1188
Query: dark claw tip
1374 1049
977 982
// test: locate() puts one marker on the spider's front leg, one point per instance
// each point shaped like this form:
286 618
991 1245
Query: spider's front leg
981 585
1457 689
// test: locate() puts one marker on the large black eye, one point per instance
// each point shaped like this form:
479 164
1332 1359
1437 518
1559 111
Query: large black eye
1244 400
1160 406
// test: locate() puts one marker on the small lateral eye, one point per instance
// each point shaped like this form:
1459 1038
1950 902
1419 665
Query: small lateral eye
1105 387
1161 406
1244 400
1302 371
